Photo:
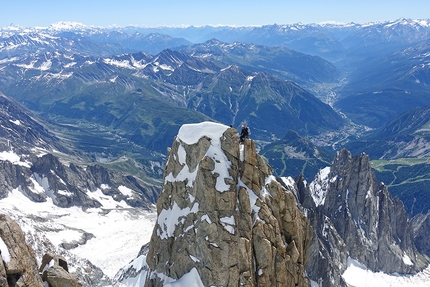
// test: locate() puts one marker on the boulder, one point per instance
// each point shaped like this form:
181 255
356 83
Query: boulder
55 272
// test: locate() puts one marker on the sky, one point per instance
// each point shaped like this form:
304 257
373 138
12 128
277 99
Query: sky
154 13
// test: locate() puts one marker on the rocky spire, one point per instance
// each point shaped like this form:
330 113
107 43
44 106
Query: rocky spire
223 219
353 216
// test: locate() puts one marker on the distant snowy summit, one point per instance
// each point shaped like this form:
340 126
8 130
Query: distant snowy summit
65 26
77 26
58 26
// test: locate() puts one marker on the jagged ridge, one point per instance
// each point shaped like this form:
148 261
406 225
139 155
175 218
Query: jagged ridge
353 216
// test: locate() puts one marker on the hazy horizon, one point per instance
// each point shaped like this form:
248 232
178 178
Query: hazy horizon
26 13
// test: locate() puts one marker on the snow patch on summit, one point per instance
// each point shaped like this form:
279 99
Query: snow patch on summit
190 134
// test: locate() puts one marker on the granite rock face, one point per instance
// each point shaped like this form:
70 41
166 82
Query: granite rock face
55 272
18 266
223 217
353 216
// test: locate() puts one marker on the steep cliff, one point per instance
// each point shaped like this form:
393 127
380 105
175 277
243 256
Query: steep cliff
355 218
223 219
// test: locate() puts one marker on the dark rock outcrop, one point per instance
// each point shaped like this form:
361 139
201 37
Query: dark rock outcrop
354 216
18 266
421 228
71 184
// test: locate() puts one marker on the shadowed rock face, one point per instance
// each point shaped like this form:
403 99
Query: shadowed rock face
226 218
421 228
352 215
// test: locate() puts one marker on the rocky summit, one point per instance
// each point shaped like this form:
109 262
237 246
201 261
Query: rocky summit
223 219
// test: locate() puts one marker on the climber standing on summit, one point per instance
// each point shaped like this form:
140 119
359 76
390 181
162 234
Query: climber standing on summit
244 134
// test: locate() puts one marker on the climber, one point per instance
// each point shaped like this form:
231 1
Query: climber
244 134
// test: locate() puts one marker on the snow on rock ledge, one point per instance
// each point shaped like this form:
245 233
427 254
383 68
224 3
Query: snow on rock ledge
224 220
190 134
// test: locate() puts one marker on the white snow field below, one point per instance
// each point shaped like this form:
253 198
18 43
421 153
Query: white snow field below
357 275
119 230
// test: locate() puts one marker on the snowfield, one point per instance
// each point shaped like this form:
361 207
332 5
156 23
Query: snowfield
357 275
119 230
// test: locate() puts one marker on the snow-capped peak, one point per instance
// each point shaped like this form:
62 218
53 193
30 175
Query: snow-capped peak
67 26
13 27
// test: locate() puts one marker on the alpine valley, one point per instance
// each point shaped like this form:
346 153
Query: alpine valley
120 154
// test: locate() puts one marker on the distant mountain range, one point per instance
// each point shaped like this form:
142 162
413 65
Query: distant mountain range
303 69
314 39
127 94
112 92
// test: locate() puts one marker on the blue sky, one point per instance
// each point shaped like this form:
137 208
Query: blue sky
31 13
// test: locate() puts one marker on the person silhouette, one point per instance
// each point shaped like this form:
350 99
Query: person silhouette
244 134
